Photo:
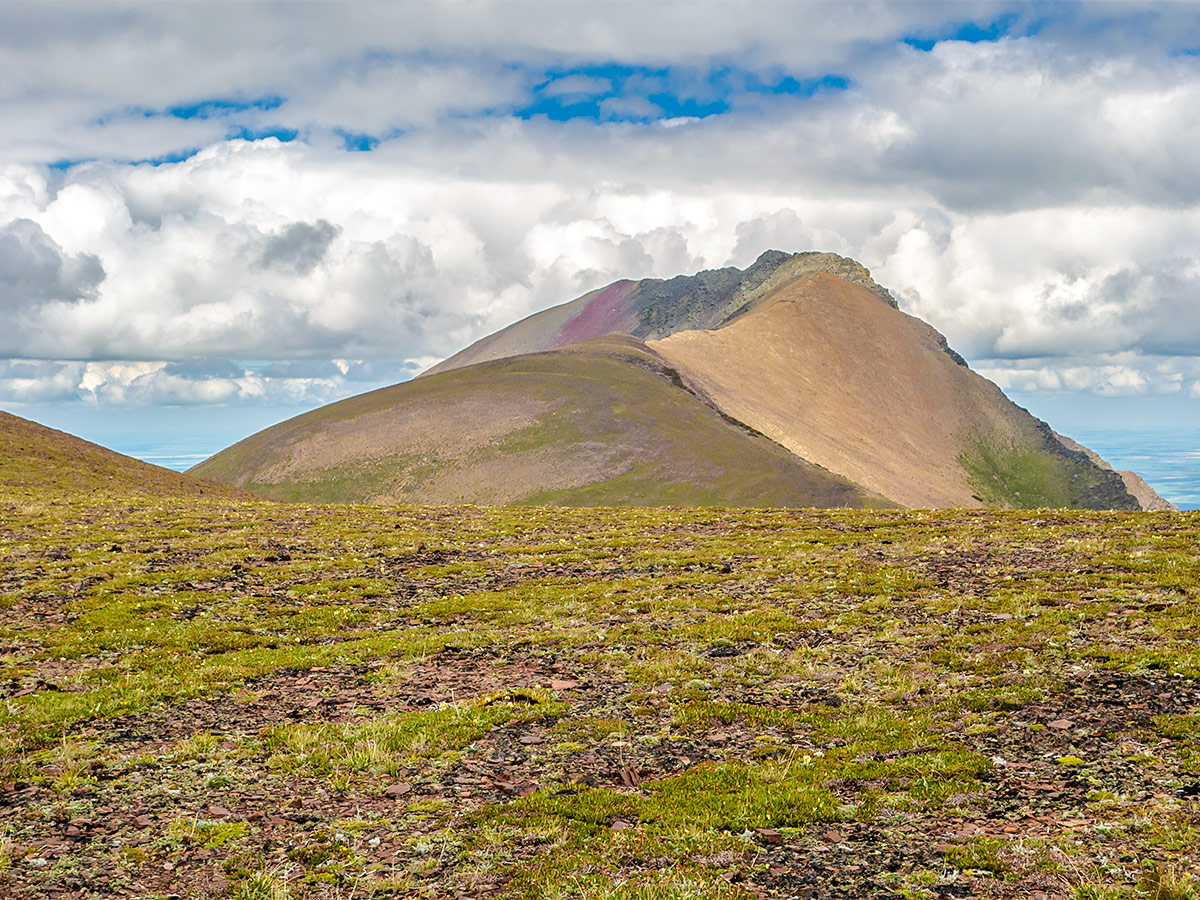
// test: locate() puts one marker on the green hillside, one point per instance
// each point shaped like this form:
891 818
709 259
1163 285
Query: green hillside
600 424
36 461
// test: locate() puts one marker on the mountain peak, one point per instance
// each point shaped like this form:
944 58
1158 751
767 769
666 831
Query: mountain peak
655 308
784 383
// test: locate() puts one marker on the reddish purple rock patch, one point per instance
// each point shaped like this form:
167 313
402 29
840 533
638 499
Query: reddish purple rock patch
605 313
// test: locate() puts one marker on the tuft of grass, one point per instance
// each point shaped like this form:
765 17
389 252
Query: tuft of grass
263 884
1160 882
387 743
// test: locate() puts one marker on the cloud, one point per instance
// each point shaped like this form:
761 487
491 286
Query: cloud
577 86
299 247
1110 375
1020 177
34 269
150 384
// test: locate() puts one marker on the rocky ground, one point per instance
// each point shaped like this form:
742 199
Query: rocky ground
216 699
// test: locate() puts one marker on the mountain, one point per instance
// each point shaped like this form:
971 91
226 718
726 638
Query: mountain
794 382
860 388
654 308
1145 495
605 422
36 460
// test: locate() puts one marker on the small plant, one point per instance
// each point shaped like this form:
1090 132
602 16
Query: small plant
265 884
1160 883
980 855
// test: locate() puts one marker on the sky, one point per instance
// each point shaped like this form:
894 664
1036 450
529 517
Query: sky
214 216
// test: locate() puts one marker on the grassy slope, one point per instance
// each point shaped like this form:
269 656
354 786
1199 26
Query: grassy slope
597 703
604 423
35 460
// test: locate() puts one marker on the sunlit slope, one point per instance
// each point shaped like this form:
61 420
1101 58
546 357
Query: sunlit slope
654 307
39 461
603 423
858 387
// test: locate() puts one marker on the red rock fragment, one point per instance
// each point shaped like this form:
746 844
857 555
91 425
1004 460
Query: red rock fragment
770 835
562 684
398 790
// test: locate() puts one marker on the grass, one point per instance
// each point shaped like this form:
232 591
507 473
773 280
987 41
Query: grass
367 693
602 424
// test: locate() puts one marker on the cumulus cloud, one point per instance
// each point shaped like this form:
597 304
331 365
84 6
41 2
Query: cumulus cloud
299 247
35 270
1032 196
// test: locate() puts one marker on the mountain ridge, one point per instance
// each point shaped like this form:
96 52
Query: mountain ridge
654 308
804 351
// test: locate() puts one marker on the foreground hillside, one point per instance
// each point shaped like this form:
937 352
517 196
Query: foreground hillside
253 700
37 461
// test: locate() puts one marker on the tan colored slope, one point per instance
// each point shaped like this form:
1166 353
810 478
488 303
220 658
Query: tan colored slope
852 384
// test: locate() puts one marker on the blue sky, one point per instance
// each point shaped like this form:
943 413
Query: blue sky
208 228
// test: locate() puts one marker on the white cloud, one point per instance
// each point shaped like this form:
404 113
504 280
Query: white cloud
1033 197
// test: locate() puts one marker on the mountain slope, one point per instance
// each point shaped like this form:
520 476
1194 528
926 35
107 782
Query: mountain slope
860 388
654 308
601 423
797 381
36 460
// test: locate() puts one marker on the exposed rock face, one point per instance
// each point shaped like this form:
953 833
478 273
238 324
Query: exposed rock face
1147 498
655 308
